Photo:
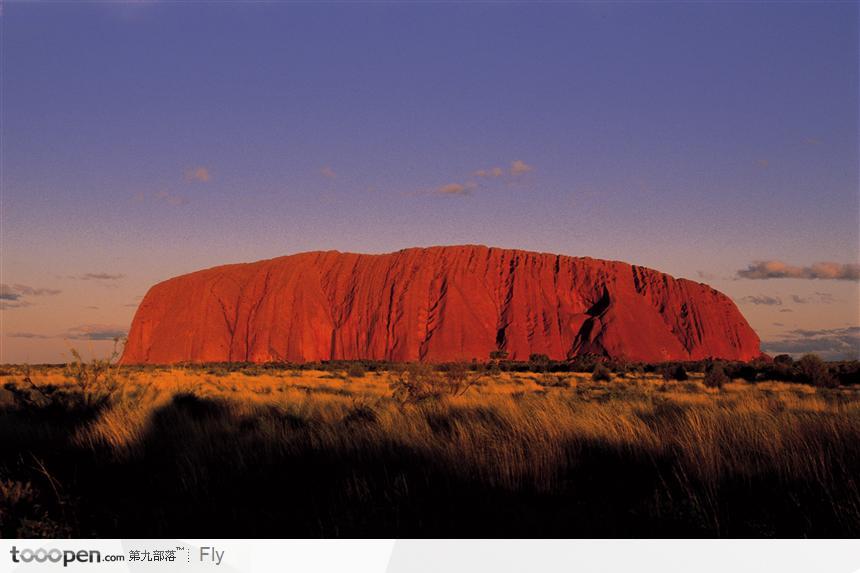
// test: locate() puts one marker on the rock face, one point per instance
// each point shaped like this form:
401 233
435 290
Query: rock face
435 304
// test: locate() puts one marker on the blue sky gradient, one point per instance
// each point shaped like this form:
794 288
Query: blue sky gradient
155 138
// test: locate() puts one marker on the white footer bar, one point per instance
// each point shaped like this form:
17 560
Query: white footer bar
431 556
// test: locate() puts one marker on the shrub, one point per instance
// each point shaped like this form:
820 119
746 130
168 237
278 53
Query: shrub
812 370
715 375
585 363
548 380
419 382
96 380
601 373
675 372
360 413
620 366
748 372
783 359
538 362
356 370
94 386
847 373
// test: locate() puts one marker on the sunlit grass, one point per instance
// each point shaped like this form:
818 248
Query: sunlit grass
554 454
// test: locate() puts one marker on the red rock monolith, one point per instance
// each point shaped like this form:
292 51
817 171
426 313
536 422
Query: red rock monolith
434 304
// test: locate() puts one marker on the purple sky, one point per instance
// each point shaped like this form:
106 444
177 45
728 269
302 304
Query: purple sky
145 140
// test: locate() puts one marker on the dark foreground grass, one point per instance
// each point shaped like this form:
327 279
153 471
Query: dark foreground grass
298 455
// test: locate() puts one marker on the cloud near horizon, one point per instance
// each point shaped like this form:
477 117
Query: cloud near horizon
830 344
780 270
818 297
95 332
28 335
16 295
101 277
762 300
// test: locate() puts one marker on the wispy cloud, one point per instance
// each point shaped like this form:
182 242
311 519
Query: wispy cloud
161 197
763 163
328 172
781 270
170 198
27 335
519 167
830 344
8 305
454 189
763 300
15 291
516 169
818 297
94 332
199 174
83 332
705 275
18 295
812 141
492 172
100 277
